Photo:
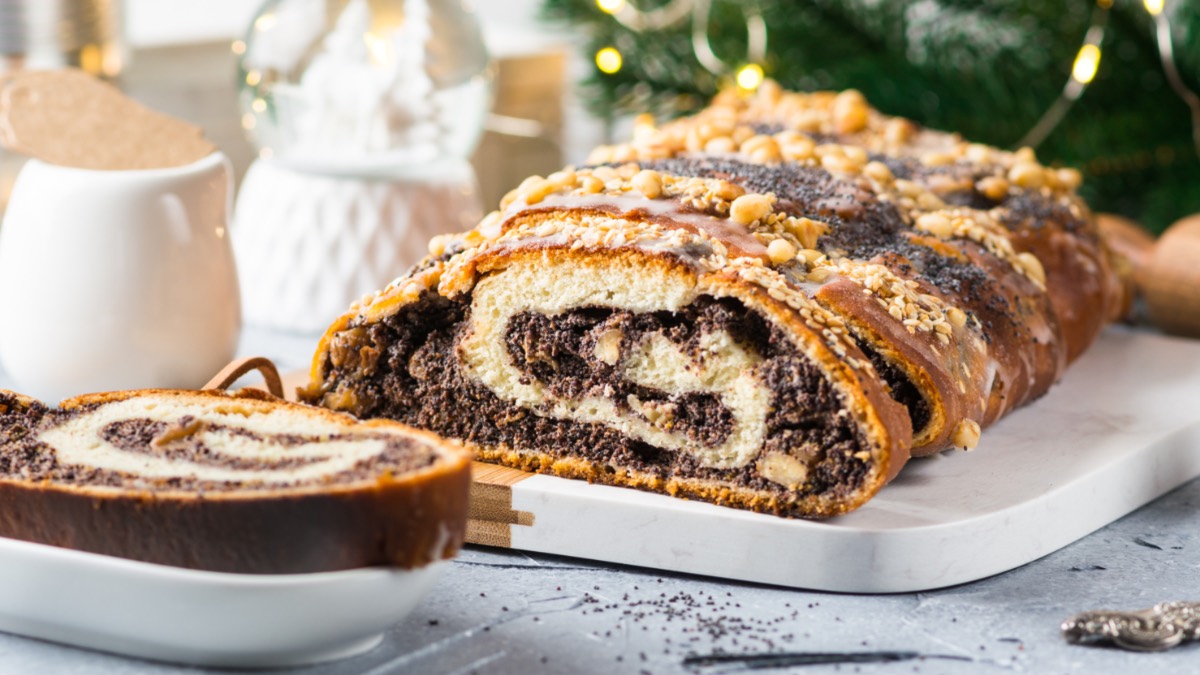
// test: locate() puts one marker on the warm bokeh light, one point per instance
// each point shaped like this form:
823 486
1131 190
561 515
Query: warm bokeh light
1086 64
608 60
253 77
266 22
610 6
91 59
378 48
238 47
750 76
1155 7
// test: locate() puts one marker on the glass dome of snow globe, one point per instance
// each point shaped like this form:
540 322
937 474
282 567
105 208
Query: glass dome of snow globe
383 87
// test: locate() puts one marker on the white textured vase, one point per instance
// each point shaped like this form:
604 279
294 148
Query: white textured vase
309 244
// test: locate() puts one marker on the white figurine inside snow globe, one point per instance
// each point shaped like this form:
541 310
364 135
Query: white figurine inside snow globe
365 113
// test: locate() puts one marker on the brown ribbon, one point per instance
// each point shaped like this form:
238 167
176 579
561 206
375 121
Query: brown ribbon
236 369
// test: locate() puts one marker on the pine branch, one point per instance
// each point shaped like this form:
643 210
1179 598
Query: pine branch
987 69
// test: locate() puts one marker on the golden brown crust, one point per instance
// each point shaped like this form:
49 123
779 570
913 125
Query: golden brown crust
991 280
884 422
407 520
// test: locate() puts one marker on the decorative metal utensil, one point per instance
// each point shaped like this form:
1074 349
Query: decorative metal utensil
1163 626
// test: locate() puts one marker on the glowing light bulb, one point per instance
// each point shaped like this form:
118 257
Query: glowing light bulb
608 60
1155 7
610 6
91 59
1086 64
238 47
253 77
750 76
258 105
266 21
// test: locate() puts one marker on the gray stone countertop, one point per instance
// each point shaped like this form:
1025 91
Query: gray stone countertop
500 611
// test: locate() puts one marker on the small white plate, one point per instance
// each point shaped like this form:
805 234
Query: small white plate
207 618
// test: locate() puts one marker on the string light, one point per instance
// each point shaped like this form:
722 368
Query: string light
659 18
1086 64
238 47
675 12
756 36
750 76
608 60
91 59
1083 71
1166 54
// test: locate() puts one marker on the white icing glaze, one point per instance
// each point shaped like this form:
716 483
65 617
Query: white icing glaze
669 212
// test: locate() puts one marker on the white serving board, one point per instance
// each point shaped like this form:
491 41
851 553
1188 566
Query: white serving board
1122 428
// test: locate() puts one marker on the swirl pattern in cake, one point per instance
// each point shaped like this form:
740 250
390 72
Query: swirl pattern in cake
770 305
238 483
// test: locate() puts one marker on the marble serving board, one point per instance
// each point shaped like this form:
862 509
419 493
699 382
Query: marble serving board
1122 428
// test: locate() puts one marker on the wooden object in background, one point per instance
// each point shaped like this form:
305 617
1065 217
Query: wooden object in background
1165 273
1132 247
1130 241
523 136
1170 280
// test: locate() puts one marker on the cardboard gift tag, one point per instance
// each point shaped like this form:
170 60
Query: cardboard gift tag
69 118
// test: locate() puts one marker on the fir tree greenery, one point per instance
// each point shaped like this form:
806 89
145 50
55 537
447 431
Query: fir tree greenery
988 69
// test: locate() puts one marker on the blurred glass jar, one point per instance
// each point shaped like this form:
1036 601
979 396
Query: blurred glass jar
45 34
383 87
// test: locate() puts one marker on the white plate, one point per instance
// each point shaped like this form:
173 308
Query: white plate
208 618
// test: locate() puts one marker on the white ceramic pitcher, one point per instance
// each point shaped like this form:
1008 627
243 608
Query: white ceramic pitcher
117 279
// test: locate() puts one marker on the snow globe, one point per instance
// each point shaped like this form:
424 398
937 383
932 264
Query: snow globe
365 113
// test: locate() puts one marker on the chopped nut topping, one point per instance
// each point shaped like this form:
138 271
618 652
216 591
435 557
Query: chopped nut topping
935 224
648 182
966 434
608 347
1033 268
879 172
781 251
783 469
749 209
1027 175
993 187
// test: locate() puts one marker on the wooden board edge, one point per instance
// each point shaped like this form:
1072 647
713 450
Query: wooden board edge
491 514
